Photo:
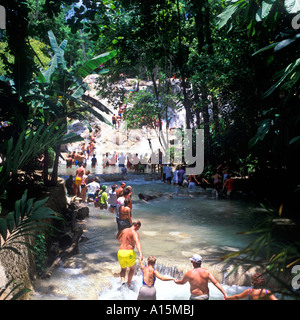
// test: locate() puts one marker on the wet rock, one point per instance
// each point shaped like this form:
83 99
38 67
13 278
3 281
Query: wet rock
82 213
73 206
65 241
111 177
67 213
146 197
83 239
78 127
73 264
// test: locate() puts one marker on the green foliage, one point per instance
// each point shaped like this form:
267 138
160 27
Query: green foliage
60 94
269 13
27 218
277 118
89 66
39 49
40 253
58 60
274 257
251 12
62 89
144 111
261 132
290 77
13 294
4 57
29 144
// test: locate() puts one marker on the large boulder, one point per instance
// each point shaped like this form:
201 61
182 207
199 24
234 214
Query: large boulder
82 212
147 197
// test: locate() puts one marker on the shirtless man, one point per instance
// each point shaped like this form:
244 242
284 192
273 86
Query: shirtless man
198 279
79 174
119 190
129 238
77 158
114 121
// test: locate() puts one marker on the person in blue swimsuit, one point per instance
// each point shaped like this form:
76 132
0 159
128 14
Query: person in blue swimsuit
147 290
255 293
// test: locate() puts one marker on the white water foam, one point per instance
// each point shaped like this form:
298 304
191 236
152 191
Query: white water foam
165 290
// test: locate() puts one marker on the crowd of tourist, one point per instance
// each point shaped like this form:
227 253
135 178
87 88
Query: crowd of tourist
118 200
222 183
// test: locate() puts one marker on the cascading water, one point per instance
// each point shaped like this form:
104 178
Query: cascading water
174 226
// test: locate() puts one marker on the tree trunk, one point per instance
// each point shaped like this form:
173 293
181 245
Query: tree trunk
203 32
186 102
160 135
215 109
207 136
55 166
45 167
197 104
207 28
199 25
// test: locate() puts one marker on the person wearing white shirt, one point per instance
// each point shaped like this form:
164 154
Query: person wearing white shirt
92 187
169 173
121 160
112 199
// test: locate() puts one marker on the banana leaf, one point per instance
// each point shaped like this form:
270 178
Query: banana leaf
291 76
58 60
87 107
49 72
58 50
227 14
90 65
96 103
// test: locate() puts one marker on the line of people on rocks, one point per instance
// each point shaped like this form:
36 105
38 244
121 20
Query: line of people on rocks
222 183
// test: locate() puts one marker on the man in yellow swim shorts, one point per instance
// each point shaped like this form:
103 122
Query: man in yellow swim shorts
79 175
129 238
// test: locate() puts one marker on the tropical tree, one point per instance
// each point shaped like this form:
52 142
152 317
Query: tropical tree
277 136
275 141
61 94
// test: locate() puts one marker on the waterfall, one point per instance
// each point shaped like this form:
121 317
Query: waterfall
165 270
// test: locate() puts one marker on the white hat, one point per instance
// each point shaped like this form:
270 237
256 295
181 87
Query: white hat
196 258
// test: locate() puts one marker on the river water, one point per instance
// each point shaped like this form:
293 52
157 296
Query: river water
174 227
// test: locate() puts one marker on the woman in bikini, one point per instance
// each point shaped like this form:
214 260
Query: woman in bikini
124 220
147 290
84 183
69 161
255 293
